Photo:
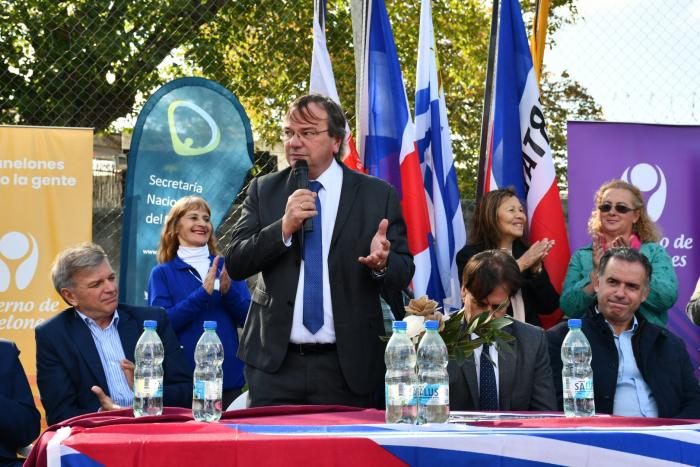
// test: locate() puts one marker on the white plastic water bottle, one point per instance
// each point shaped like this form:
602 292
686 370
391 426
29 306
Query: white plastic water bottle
208 376
433 381
400 379
148 374
577 374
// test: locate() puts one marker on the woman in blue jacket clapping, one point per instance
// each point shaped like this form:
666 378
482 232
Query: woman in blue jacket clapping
193 286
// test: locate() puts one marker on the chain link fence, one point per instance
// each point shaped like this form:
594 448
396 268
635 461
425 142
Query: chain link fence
638 59
93 63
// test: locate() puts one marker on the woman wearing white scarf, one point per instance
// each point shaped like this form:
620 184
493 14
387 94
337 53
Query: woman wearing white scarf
193 286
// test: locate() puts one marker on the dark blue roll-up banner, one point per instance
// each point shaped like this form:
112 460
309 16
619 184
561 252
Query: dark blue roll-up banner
191 138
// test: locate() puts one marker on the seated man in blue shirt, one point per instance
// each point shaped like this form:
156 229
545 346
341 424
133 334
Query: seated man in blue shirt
84 354
639 369
19 418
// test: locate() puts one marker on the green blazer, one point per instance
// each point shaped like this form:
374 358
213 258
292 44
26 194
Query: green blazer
663 287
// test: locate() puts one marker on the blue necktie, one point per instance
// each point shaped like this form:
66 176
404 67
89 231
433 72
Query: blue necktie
313 270
488 396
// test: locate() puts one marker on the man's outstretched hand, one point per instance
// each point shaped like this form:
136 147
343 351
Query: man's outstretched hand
378 249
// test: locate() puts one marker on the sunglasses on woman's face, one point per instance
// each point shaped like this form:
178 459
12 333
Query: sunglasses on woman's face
619 207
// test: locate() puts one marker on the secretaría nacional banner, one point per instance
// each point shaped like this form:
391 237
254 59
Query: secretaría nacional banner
191 138
46 205
663 161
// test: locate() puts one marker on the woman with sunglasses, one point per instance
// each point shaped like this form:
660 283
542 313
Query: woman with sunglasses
500 221
193 286
620 219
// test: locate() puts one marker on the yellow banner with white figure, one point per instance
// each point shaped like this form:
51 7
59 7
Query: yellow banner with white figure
46 206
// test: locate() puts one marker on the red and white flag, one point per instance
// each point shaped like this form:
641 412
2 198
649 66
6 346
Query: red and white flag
323 81
519 154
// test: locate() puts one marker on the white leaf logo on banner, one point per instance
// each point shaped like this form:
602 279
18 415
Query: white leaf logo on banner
652 182
185 148
18 246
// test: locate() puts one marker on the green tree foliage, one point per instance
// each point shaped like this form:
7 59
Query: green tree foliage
262 52
82 62
564 99
87 62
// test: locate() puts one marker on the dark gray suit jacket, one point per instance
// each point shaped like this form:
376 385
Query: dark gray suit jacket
257 247
525 379
68 365
19 418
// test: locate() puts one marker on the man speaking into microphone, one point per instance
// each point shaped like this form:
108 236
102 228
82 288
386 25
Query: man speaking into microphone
323 251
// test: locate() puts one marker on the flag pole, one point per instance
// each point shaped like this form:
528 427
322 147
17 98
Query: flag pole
359 10
539 36
488 99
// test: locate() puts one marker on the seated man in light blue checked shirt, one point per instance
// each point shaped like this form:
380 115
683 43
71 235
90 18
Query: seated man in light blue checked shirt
85 353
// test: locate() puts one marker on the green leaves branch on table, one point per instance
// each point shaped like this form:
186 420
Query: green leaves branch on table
489 329
455 332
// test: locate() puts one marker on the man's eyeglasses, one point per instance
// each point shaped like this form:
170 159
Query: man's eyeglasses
304 135
490 308
619 207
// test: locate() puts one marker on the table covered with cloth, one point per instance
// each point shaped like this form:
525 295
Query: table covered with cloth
340 436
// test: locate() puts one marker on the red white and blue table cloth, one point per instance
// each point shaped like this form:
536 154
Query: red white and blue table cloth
340 436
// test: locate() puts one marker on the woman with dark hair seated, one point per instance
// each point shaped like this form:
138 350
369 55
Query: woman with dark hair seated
500 222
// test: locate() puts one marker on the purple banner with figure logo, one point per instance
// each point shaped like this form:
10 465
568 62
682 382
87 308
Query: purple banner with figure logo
663 161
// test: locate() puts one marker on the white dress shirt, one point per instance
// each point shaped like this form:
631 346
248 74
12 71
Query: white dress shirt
332 182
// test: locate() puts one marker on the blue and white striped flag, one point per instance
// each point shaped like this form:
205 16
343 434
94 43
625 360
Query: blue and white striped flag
437 164
386 136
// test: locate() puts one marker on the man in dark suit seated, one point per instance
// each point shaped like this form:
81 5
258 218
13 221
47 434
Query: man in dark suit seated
312 333
19 418
519 380
84 354
639 369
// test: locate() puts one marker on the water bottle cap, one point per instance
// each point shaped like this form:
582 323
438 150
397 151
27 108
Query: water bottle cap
150 324
210 325
574 324
432 325
399 326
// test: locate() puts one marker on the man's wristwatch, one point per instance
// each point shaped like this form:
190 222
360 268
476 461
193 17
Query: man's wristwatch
380 273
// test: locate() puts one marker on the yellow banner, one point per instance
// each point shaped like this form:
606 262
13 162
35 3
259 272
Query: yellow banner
46 206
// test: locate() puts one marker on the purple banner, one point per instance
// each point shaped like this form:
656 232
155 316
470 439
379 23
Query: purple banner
663 161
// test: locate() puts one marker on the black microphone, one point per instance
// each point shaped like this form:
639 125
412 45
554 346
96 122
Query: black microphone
301 174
